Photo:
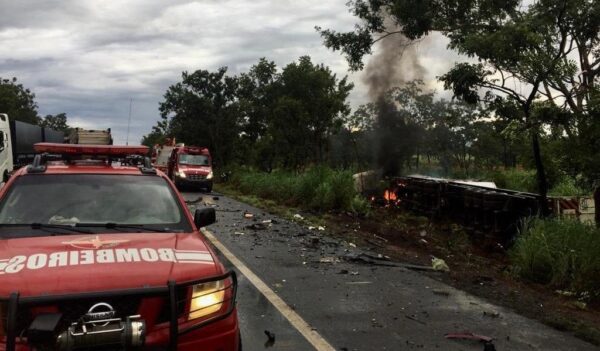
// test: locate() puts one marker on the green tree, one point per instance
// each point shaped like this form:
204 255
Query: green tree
256 96
17 101
202 110
524 46
311 106
56 122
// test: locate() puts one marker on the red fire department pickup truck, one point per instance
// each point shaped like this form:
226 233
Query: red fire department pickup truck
95 256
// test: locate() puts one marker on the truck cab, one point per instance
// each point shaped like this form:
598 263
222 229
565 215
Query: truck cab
191 166
97 255
6 154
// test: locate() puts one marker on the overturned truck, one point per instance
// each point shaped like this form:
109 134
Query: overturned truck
482 210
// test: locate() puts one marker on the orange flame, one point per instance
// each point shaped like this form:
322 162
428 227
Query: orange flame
390 195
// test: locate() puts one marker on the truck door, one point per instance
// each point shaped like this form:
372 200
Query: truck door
6 157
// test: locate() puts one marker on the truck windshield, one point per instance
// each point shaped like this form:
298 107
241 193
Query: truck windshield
194 160
93 199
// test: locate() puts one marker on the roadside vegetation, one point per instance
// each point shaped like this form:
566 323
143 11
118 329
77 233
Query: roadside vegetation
561 253
317 189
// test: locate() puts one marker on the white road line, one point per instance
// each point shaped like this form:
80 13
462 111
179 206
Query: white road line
300 324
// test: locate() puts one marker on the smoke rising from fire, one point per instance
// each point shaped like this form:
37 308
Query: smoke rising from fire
396 62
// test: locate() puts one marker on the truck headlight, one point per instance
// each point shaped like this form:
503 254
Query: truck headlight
180 174
207 298
210 175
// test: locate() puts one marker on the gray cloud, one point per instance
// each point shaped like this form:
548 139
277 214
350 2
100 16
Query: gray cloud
88 58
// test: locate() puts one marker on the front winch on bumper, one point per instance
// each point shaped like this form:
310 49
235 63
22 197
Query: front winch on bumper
101 327
126 334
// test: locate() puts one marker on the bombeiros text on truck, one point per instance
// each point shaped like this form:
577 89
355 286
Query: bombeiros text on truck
101 255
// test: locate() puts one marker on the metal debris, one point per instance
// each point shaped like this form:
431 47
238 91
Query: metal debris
413 318
368 259
468 336
441 292
491 314
258 226
488 345
270 338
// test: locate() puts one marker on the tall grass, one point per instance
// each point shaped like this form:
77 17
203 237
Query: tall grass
562 253
320 188
567 186
515 179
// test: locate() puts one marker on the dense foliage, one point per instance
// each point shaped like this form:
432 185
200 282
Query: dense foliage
266 117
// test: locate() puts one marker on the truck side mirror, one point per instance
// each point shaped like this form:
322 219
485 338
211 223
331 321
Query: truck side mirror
204 217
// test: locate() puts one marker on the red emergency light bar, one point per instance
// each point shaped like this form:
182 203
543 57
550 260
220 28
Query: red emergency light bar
78 149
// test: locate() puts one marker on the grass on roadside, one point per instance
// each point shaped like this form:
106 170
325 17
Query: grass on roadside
319 189
563 254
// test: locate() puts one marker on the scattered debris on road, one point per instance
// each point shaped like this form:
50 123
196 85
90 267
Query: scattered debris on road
258 226
270 338
368 259
298 216
439 265
491 314
441 292
248 215
329 260
488 344
413 318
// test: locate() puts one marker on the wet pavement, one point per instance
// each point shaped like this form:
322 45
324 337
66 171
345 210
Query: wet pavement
355 299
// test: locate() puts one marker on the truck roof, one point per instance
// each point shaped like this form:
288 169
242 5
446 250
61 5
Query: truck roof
61 167
71 161
195 150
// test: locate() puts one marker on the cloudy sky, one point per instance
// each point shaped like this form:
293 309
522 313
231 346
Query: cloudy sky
89 58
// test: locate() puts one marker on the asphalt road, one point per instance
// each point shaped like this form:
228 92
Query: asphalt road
353 301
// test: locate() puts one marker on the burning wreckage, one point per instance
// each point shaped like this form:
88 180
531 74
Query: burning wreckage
483 209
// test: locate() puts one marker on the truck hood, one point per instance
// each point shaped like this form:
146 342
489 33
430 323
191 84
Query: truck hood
83 263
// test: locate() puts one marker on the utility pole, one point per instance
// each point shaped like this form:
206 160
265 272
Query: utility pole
129 121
